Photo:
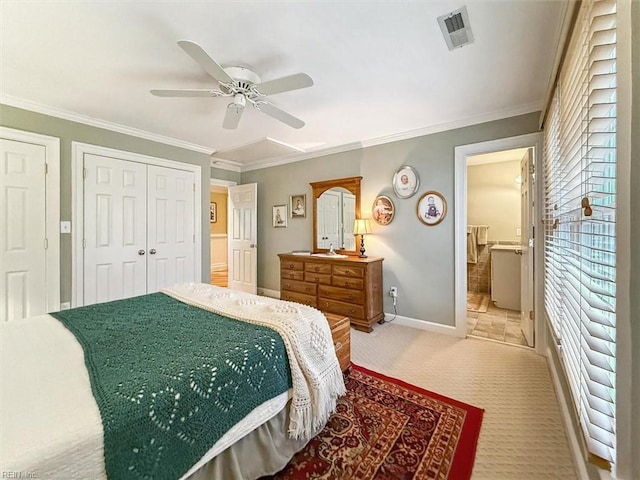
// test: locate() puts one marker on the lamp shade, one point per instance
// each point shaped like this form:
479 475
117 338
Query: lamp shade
362 227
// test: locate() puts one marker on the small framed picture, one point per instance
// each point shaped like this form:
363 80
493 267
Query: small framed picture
432 208
213 212
406 182
298 205
279 215
383 210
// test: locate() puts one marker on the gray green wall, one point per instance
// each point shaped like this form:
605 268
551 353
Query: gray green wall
68 132
220 174
419 260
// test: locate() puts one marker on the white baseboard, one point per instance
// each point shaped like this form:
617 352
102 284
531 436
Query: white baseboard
575 447
422 324
268 293
215 267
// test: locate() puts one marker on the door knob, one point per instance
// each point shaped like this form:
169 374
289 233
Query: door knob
152 251
141 252
253 245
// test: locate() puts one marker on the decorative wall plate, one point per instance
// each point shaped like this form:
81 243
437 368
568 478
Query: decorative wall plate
383 210
432 208
406 182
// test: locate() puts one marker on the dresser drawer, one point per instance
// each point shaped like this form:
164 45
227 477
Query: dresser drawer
292 275
317 267
348 271
324 278
341 294
346 309
300 287
348 282
291 265
341 335
298 297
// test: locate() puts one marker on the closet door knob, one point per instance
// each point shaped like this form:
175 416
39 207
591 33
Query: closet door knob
141 252
152 251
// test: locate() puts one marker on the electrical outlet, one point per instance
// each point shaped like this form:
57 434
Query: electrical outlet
393 292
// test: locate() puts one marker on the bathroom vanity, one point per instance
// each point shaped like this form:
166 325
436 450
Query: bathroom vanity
349 286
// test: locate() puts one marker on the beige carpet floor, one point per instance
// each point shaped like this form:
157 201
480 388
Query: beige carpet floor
522 435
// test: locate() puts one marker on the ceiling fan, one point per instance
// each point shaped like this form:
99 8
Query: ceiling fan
243 85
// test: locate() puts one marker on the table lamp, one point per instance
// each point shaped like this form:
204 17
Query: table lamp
362 228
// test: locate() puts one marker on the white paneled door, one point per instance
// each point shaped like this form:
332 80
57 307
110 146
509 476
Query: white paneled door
138 228
115 230
526 260
22 239
243 237
170 227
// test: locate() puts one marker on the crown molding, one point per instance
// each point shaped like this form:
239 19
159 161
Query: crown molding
94 122
396 137
225 164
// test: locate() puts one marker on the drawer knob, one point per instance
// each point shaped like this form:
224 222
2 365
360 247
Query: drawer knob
291 275
288 285
291 265
337 346
307 289
352 310
317 269
316 278
346 284
351 297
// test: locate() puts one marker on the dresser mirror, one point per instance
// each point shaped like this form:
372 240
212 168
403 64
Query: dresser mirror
336 205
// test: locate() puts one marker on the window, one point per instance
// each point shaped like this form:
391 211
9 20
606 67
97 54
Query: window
580 216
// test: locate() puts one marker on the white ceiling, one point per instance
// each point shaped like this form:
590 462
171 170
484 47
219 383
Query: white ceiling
380 69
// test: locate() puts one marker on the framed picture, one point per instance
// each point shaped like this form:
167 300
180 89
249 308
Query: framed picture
432 208
213 212
406 182
383 210
279 215
298 205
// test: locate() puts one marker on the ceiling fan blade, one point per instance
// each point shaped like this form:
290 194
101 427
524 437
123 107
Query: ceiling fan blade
187 92
212 67
285 84
232 117
279 114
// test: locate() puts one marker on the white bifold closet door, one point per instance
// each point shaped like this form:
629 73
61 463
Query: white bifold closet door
138 228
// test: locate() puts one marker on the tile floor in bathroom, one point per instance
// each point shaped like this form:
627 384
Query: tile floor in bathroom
496 324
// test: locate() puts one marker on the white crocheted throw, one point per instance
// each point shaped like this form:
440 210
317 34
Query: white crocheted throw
315 372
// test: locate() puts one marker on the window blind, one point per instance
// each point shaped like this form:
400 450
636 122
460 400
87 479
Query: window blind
580 230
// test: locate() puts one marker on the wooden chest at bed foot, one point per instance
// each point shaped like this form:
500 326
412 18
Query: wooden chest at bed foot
340 331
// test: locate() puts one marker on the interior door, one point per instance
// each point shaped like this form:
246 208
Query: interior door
23 289
526 239
348 220
170 227
243 237
328 226
115 229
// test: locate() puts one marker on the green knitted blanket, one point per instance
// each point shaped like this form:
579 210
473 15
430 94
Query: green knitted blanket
170 379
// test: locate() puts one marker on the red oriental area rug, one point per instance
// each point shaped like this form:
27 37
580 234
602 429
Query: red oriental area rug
384 428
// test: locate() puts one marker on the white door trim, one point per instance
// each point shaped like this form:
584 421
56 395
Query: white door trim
78 150
52 185
460 242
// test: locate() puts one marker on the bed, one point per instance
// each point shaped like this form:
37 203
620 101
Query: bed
63 416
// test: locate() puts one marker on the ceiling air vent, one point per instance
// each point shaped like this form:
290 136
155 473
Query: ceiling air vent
456 28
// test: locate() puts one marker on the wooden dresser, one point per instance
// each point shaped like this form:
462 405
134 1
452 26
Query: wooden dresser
350 286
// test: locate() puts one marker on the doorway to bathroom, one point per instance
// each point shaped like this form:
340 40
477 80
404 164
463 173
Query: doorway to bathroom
494 247
495 241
